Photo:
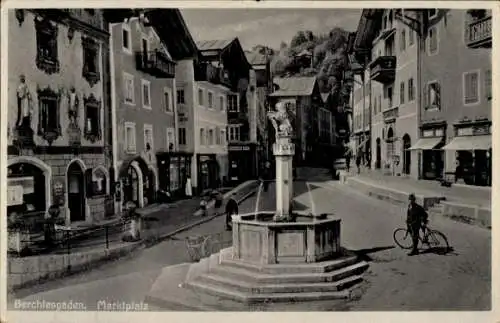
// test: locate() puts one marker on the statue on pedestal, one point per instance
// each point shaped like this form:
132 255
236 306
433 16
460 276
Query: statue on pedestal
281 120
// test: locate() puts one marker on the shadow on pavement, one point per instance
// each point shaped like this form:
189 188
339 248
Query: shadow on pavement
363 254
441 251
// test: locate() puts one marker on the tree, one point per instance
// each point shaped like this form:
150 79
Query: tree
298 39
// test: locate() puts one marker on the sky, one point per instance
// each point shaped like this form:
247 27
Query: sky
265 26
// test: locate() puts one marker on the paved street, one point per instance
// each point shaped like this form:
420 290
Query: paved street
456 281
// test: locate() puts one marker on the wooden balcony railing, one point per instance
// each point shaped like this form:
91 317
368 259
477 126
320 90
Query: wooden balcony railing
479 33
155 63
383 69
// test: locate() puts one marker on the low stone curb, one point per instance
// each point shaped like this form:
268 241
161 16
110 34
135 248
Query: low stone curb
24 272
469 214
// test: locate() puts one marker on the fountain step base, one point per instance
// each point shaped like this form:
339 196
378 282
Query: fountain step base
217 284
250 298
238 281
225 283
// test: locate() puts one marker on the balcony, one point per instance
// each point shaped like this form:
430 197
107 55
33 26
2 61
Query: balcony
155 63
478 33
390 115
383 69
209 73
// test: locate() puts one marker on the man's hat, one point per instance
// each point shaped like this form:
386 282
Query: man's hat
411 197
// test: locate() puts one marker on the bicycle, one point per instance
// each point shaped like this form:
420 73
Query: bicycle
431 238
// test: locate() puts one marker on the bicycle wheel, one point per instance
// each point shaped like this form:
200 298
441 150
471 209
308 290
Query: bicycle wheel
403 238
437 239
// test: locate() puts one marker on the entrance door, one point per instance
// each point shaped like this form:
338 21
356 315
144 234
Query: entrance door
378 156
76 193
406 154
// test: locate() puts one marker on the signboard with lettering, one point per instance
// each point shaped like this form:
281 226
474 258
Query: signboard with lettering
239 148
14 195
284 149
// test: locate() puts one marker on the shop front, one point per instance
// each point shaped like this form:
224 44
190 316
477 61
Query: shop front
138 182
174 170
431 156
27 192
208 172
242 162
472 149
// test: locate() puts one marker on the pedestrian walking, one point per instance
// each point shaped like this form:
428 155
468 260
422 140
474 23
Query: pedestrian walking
217 195
188 191
358 163
231 209
348 160
416 219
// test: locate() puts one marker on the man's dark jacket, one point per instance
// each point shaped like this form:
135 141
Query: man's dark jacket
231 207
416 215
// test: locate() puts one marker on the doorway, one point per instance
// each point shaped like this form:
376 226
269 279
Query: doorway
378 154
76 192
406 154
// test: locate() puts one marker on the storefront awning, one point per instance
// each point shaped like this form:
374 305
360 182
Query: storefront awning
470 143
426 144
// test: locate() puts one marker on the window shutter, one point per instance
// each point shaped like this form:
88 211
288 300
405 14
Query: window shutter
88 183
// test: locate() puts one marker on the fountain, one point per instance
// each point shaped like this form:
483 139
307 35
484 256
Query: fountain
277 256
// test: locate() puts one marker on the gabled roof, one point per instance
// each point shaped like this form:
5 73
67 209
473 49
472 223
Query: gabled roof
294 86
168 23
218 45
256 58
230 51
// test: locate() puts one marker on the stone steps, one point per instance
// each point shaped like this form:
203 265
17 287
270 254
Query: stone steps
321 267
242 274
232 294
215 280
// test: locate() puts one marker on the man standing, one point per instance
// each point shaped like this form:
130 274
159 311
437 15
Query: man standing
416 218
348 159
231 209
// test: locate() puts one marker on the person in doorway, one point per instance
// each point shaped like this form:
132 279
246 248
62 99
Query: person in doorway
188 189
231 209
416 218
358 163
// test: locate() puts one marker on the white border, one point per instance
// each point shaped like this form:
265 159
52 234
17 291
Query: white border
437 316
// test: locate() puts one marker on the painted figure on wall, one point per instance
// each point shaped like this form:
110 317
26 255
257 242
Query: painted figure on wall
24 105
73 104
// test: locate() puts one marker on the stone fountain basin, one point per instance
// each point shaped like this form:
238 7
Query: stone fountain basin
308 239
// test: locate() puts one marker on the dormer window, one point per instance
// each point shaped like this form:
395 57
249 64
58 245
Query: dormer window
90 60
46 44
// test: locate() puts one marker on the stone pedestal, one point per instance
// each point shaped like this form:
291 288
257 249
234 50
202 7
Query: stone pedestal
283 151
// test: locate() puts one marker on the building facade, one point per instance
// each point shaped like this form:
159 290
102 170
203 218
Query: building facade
263 85
456 90
145 108
58 146
224 66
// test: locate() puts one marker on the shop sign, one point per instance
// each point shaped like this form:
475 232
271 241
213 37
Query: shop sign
15 195
239 148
